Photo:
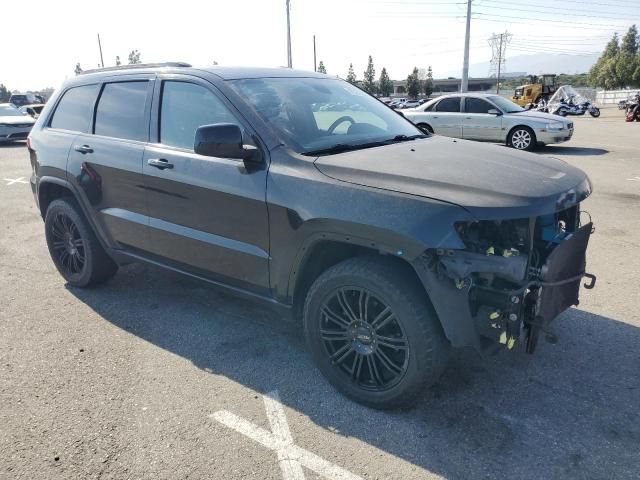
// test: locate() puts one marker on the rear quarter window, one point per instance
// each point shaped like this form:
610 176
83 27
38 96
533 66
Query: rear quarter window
74 109
121 111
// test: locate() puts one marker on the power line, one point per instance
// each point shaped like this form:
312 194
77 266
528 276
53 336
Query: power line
590 26
573 14
622 3
554 9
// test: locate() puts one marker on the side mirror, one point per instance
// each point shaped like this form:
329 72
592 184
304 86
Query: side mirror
494 111
224 140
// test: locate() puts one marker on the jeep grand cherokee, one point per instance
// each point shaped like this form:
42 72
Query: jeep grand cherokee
390 244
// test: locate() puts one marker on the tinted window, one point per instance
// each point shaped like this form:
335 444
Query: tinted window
448 105
121 111
185 107
75 107
477 105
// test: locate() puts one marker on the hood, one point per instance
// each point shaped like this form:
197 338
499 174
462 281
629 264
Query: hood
489 181
535 115
17 120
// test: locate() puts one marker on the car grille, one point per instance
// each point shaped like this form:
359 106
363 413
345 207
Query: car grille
14 136
570 125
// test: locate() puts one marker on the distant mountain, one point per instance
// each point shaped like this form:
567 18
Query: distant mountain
536 64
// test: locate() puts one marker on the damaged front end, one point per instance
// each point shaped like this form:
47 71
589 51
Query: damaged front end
511 281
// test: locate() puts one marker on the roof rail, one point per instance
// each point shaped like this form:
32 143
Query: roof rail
136 65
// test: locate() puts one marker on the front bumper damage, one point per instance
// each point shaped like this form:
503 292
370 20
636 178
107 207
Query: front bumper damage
506 297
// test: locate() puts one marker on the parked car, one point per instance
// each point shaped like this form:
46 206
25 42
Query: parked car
32 110
14 125
391 245
409 104
20 99
477 116
396 102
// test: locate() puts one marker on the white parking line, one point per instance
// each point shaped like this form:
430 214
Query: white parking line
634 179
11 181
291 457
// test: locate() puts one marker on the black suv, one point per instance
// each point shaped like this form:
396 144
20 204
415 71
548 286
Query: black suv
391 245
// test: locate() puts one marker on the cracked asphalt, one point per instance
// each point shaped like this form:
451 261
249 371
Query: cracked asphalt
121 381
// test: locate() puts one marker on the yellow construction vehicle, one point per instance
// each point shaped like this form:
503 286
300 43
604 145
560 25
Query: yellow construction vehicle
540 88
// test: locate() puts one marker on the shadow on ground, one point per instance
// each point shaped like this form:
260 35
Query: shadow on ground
16 144
570 411
566 150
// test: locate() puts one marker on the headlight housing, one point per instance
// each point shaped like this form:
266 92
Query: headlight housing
554 126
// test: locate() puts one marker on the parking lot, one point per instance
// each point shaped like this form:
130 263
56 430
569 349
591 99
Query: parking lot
154 375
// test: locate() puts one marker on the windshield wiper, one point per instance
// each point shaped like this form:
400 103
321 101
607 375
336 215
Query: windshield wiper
345 147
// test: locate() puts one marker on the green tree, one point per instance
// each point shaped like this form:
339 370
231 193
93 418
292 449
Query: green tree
413 84
369 83
118 62
351 76
385 85
78 69
602 74
134 57
322 68
5 94
428 82
629 42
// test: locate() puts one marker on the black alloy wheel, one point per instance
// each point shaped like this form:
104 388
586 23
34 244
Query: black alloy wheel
364 339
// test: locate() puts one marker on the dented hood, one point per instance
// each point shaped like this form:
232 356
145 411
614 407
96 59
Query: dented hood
489 181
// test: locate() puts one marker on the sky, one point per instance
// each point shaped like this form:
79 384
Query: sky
399 34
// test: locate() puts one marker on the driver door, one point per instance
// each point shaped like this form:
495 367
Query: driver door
207 215
478 123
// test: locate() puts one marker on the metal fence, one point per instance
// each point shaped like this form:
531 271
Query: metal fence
613 96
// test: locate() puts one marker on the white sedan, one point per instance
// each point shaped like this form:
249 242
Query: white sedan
14 125
491 118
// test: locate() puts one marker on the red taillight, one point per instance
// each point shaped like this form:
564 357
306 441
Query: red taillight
29 143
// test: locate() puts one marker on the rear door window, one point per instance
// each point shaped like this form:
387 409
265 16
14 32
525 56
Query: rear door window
74 109
121 111
449 105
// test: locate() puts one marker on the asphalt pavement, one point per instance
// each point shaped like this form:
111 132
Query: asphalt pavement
157 376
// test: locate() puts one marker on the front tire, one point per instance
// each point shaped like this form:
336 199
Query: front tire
595 112
373 334
522 138
74 248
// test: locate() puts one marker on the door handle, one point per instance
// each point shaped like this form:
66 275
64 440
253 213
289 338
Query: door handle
160 163
467 118
83 149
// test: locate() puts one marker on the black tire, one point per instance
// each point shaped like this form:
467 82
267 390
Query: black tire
419 353
74 247
595 112
425 128
522 138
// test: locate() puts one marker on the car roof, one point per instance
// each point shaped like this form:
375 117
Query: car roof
7 105
225 73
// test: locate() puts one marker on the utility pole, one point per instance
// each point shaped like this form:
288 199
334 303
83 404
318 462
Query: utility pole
498 44
100 48
289 61
315 67
464 84
499 62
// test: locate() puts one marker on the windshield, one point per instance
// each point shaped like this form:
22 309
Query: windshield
10 111
315 114
507 106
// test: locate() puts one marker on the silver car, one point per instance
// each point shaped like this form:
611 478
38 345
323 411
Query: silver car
479 116
14 125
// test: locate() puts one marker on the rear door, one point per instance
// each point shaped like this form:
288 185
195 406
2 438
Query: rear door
446 117
107 162
208 215
478 123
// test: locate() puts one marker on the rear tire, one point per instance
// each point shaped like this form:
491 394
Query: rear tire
373 334
74 248
522 138
595 112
